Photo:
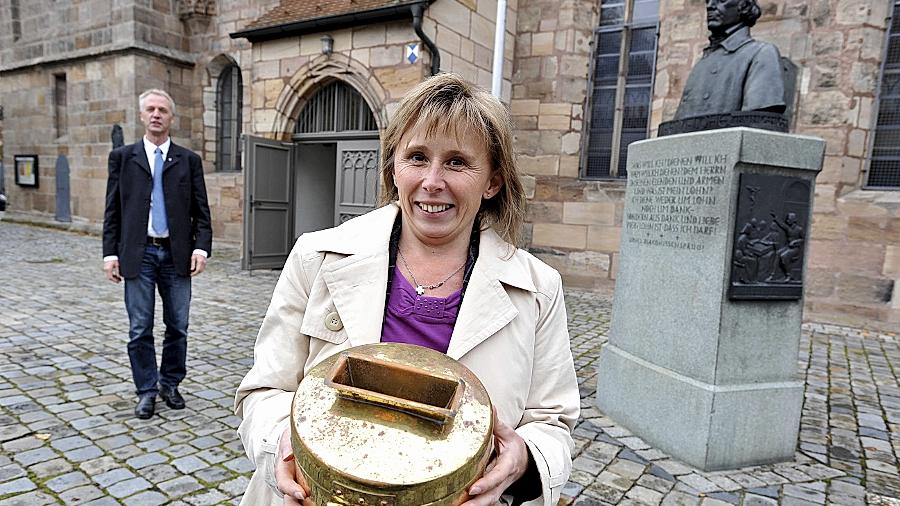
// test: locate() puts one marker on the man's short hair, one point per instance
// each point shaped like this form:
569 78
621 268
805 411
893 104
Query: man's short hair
750 12
161 93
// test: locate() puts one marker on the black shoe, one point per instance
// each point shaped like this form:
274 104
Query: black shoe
145 406
173 399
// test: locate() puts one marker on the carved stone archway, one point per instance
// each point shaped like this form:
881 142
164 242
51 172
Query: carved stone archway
215 67
319 70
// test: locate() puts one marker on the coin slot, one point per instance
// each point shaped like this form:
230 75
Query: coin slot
396 386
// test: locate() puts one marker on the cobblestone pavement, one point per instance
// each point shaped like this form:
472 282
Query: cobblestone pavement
68 434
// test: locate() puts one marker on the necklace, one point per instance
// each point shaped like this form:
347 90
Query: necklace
420 289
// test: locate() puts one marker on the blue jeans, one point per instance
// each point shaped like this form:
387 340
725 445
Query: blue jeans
157 272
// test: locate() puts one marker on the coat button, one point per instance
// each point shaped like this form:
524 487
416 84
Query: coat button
333 322
715 70
706 96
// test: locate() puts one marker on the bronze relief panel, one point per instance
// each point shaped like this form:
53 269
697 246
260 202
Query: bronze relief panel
770 237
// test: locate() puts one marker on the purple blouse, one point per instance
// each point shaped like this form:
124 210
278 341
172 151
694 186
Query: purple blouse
415 319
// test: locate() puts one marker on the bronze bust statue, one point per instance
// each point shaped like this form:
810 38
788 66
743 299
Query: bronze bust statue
736 73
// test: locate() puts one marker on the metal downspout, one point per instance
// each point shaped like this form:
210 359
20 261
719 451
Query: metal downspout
499 43
417 11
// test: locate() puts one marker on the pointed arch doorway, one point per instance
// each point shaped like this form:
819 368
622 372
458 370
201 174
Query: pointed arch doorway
326 174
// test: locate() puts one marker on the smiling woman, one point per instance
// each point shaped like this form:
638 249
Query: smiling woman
441 182
436 266
450 108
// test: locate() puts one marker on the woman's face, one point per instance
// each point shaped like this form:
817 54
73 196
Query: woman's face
441 181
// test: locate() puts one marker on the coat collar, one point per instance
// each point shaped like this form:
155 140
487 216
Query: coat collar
357 282
733 42
140 155
368 236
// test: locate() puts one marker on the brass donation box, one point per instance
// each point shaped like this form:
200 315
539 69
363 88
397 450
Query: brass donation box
391 425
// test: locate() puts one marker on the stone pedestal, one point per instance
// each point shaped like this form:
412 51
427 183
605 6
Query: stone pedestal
702 357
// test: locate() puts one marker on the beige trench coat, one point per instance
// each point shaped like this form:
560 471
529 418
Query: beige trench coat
510 331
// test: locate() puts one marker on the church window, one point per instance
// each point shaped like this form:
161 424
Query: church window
621 84
884 166
228 105
60 102
16 20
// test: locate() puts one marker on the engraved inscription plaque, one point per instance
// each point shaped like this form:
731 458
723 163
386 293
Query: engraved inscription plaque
673 202
770 238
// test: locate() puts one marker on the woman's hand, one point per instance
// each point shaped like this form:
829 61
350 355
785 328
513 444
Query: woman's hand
507 467
289 479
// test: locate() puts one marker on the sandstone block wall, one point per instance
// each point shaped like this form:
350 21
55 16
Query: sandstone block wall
464 32
573 225
52 31
101 92
374 54
213 49
285 72
122 48
838 46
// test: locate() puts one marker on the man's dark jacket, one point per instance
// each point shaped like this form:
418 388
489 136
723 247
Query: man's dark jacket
128 192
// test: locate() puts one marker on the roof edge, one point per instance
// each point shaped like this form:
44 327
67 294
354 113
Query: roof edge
176 58
380 14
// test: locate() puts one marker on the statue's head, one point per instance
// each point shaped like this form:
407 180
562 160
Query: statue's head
723 14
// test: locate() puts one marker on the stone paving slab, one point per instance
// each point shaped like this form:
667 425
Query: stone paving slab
68 435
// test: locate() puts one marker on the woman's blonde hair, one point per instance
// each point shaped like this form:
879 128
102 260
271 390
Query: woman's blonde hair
447 103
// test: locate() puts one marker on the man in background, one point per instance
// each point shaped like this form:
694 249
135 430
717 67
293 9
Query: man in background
156 235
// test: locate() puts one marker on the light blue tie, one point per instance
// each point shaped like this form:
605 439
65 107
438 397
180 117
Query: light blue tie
158 201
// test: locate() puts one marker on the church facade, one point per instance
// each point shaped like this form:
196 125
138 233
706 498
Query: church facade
285 99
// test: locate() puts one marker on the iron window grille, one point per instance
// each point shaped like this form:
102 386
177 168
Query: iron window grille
14 14
337 107
229 101
884 164
621 85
